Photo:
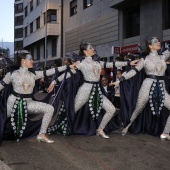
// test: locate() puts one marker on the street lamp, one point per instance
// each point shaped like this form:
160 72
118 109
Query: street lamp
62 3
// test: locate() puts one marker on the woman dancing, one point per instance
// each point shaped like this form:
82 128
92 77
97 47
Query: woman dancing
90 91
153 87
20 102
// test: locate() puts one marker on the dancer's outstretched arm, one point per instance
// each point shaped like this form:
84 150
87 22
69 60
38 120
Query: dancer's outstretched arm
166 55
119 63
131 73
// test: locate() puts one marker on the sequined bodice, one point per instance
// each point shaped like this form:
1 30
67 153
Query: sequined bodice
154 64
23 81
91 69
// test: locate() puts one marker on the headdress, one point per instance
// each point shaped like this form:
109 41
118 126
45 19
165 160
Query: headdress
151 40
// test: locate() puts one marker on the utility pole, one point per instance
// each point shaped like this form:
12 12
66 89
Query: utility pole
62 28
46 33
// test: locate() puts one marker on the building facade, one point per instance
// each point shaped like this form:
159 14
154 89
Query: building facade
120 23
41 29
93 21
104 23
18 25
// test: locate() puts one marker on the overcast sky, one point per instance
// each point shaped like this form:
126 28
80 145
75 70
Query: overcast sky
7 21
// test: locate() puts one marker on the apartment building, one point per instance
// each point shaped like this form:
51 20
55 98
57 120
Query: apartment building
39 32
18 25
118 23
42 29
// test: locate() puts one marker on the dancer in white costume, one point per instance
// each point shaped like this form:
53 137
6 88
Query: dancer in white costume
155 66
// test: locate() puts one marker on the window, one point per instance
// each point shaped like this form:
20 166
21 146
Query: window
19 20
19 44
26 11
54 46
31 27
132 21
73 7
38 2
25 31
51 16
38 52
31 6
38 22
19 33
166 14
87 3
19 7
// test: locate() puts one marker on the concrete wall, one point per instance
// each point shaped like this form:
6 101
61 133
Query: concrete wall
166 35
104 26
151 19
97 24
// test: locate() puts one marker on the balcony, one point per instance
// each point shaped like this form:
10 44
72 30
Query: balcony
119 4
52 30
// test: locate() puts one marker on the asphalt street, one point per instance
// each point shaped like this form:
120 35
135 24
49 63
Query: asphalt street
132 152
